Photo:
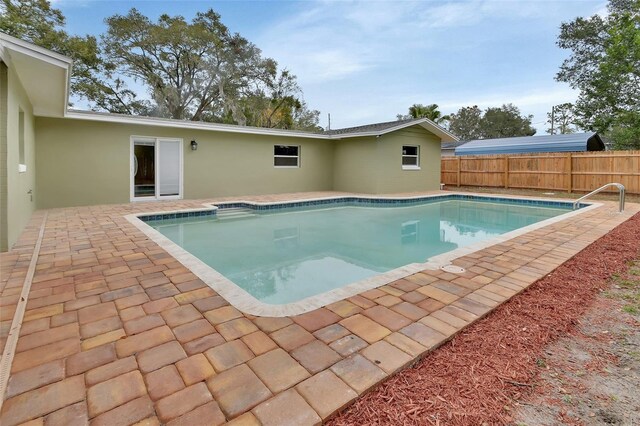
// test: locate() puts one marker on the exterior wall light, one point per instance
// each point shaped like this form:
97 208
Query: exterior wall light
194 145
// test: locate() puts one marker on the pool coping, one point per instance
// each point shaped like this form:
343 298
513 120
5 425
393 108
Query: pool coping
245 302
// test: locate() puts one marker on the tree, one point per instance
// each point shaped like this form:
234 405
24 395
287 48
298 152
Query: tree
280 106
605 67
497 122
465 124
32 20
625 131
194 70
505 122
37 22
562 120
421 111
201 71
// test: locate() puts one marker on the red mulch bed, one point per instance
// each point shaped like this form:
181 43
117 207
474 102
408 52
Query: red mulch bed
477 377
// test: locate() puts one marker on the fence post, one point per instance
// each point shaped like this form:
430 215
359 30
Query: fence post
458 179
506 171
570 159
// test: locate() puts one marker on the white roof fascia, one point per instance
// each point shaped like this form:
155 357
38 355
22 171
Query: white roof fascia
8 42
37 52
197 125
424 122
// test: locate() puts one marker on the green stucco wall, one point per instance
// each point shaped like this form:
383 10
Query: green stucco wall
17 203
355 161
392 178
374 165
83 162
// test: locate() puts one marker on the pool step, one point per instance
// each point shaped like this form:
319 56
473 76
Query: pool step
235 213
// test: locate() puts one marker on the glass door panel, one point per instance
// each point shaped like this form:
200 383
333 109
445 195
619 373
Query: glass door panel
144 171
169 168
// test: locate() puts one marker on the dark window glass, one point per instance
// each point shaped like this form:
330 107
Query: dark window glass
409 161
409 150
285 150
285 161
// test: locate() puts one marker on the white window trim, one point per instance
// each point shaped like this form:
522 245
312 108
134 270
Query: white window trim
297 166
155 140
417 157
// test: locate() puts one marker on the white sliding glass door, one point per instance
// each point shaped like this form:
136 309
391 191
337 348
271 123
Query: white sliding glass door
156 168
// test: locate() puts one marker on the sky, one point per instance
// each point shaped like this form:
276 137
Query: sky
366 62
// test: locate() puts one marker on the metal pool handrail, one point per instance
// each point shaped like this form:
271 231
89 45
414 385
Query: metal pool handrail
602 188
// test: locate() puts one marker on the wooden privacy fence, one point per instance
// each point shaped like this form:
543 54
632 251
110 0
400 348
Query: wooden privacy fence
573 171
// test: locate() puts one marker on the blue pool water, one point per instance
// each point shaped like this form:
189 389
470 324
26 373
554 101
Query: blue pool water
282 256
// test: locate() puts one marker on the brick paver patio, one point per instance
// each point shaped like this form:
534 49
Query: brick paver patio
118 332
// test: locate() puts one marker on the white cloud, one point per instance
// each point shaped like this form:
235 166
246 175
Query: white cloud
466 13
334 40
333 64
526 98
452 15
368 61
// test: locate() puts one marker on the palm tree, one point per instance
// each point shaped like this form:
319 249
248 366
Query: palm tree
429 111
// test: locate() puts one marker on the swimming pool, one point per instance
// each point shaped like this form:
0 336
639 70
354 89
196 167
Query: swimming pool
284 253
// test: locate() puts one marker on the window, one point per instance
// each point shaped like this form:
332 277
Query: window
22 167
410 157
156 168
286 156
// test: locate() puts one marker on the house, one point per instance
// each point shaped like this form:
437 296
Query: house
56 157
448 149
573 142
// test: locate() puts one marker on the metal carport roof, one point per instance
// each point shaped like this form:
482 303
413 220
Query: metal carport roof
574 142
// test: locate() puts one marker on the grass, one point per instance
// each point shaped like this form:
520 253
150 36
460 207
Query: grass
627 288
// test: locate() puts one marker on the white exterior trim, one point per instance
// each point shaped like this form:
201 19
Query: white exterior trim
9 43
424 122
35 51
199 125
184 124
155 140
297 157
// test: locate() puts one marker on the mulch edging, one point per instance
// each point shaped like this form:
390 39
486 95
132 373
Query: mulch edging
478 376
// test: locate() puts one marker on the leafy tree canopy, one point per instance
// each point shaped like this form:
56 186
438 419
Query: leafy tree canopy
195 70
605 67
562 120
37 22
32 20
430 111
497 122
465 124
506 121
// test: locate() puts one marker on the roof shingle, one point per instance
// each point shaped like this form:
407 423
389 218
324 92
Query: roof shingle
369 127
